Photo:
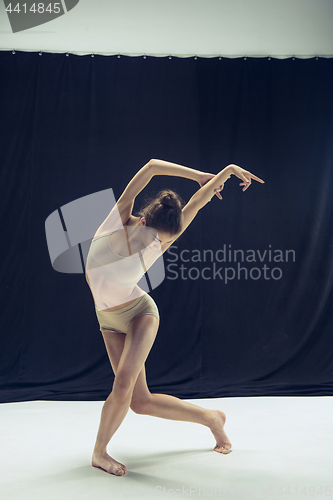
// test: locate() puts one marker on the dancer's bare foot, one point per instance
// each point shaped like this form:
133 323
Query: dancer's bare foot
105 462
223 444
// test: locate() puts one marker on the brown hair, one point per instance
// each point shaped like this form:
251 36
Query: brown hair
163 212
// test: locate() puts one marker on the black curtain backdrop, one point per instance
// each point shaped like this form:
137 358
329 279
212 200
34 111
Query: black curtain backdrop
257 322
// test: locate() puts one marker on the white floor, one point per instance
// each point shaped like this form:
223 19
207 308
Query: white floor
282 449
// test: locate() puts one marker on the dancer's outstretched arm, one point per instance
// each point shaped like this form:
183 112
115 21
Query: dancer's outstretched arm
211 185
214 185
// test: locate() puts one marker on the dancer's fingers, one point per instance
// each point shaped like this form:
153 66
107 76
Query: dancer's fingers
256 178
245 184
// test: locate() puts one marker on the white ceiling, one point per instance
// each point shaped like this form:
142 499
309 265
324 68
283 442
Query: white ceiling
231 28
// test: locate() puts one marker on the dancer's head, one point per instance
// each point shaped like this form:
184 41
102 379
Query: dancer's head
164 214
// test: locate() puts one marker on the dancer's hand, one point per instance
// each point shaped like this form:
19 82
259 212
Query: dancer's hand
244 175
204 178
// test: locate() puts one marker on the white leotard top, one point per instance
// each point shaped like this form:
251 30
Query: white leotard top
113 278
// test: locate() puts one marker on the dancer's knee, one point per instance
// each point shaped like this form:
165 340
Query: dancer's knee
123 386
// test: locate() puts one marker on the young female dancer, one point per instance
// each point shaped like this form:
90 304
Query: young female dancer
127 315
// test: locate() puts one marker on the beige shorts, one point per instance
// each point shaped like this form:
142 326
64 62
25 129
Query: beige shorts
118 321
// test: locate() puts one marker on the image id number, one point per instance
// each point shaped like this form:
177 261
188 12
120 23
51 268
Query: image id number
36 8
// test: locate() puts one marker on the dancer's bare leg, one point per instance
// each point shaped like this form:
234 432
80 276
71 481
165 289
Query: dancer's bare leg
172 408
131 352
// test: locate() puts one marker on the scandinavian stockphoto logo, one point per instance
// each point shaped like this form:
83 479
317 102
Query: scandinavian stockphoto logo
227 264
28 14
70 230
